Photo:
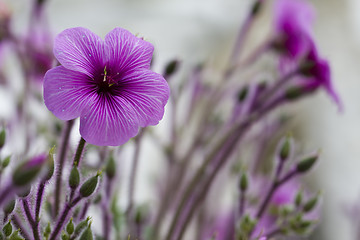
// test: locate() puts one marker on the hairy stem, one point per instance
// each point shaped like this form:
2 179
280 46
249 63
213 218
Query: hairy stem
59 169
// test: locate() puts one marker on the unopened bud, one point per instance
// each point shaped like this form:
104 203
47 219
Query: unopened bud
89 186
64 236
50 164
47 231
285 149
74 178
70 227
80 227
256 7
7 229
294 93
244 182
243 93
2 138
26 172
298 199
306 164
111 168
309 205
306 68
24 192
9 207
6 162
15 236
87 234
171 68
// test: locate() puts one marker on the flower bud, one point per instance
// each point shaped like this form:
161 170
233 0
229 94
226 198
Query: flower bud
89 186
243 93
74 178
80 227
7 229
6 162
171 68
15 236
310 205
27 171
9 208
306 164
306 68
256 7
70 227
47 231
294 93
87 234
24 192
298 199
111 168
50 164
64 236
285 149
244 182
2 138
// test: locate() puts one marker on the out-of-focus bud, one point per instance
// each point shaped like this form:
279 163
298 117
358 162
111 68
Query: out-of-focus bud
80 227
87 234
256 7
7 229
64 236
294 92
15 236
244 182
50 164
27 171
74 178
298 199
171 68
97 199
47 231
243 93
24 192
310 204
306 68
89 186
306 164
9 207
285 149
2 138
70 227
6 162
111 168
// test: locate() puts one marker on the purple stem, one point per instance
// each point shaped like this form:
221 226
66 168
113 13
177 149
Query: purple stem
106 213
63 216
84 211
18 224
33 223
132 181
39 196
275 185
59 169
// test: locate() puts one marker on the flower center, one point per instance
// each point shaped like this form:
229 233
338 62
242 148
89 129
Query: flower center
105 81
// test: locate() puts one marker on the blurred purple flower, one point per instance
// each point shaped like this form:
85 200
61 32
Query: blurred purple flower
318 72
107 83
293 21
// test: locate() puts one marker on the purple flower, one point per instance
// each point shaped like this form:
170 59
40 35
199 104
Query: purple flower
317 74
293 21
107 83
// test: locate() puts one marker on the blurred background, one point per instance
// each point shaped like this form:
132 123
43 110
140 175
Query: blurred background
198 30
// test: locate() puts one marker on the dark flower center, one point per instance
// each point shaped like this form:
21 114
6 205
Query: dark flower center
106 80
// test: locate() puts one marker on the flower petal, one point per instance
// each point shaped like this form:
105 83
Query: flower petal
66 92
80 50
127 52
147 93
108 122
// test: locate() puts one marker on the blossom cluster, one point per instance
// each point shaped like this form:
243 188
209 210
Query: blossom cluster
108 86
